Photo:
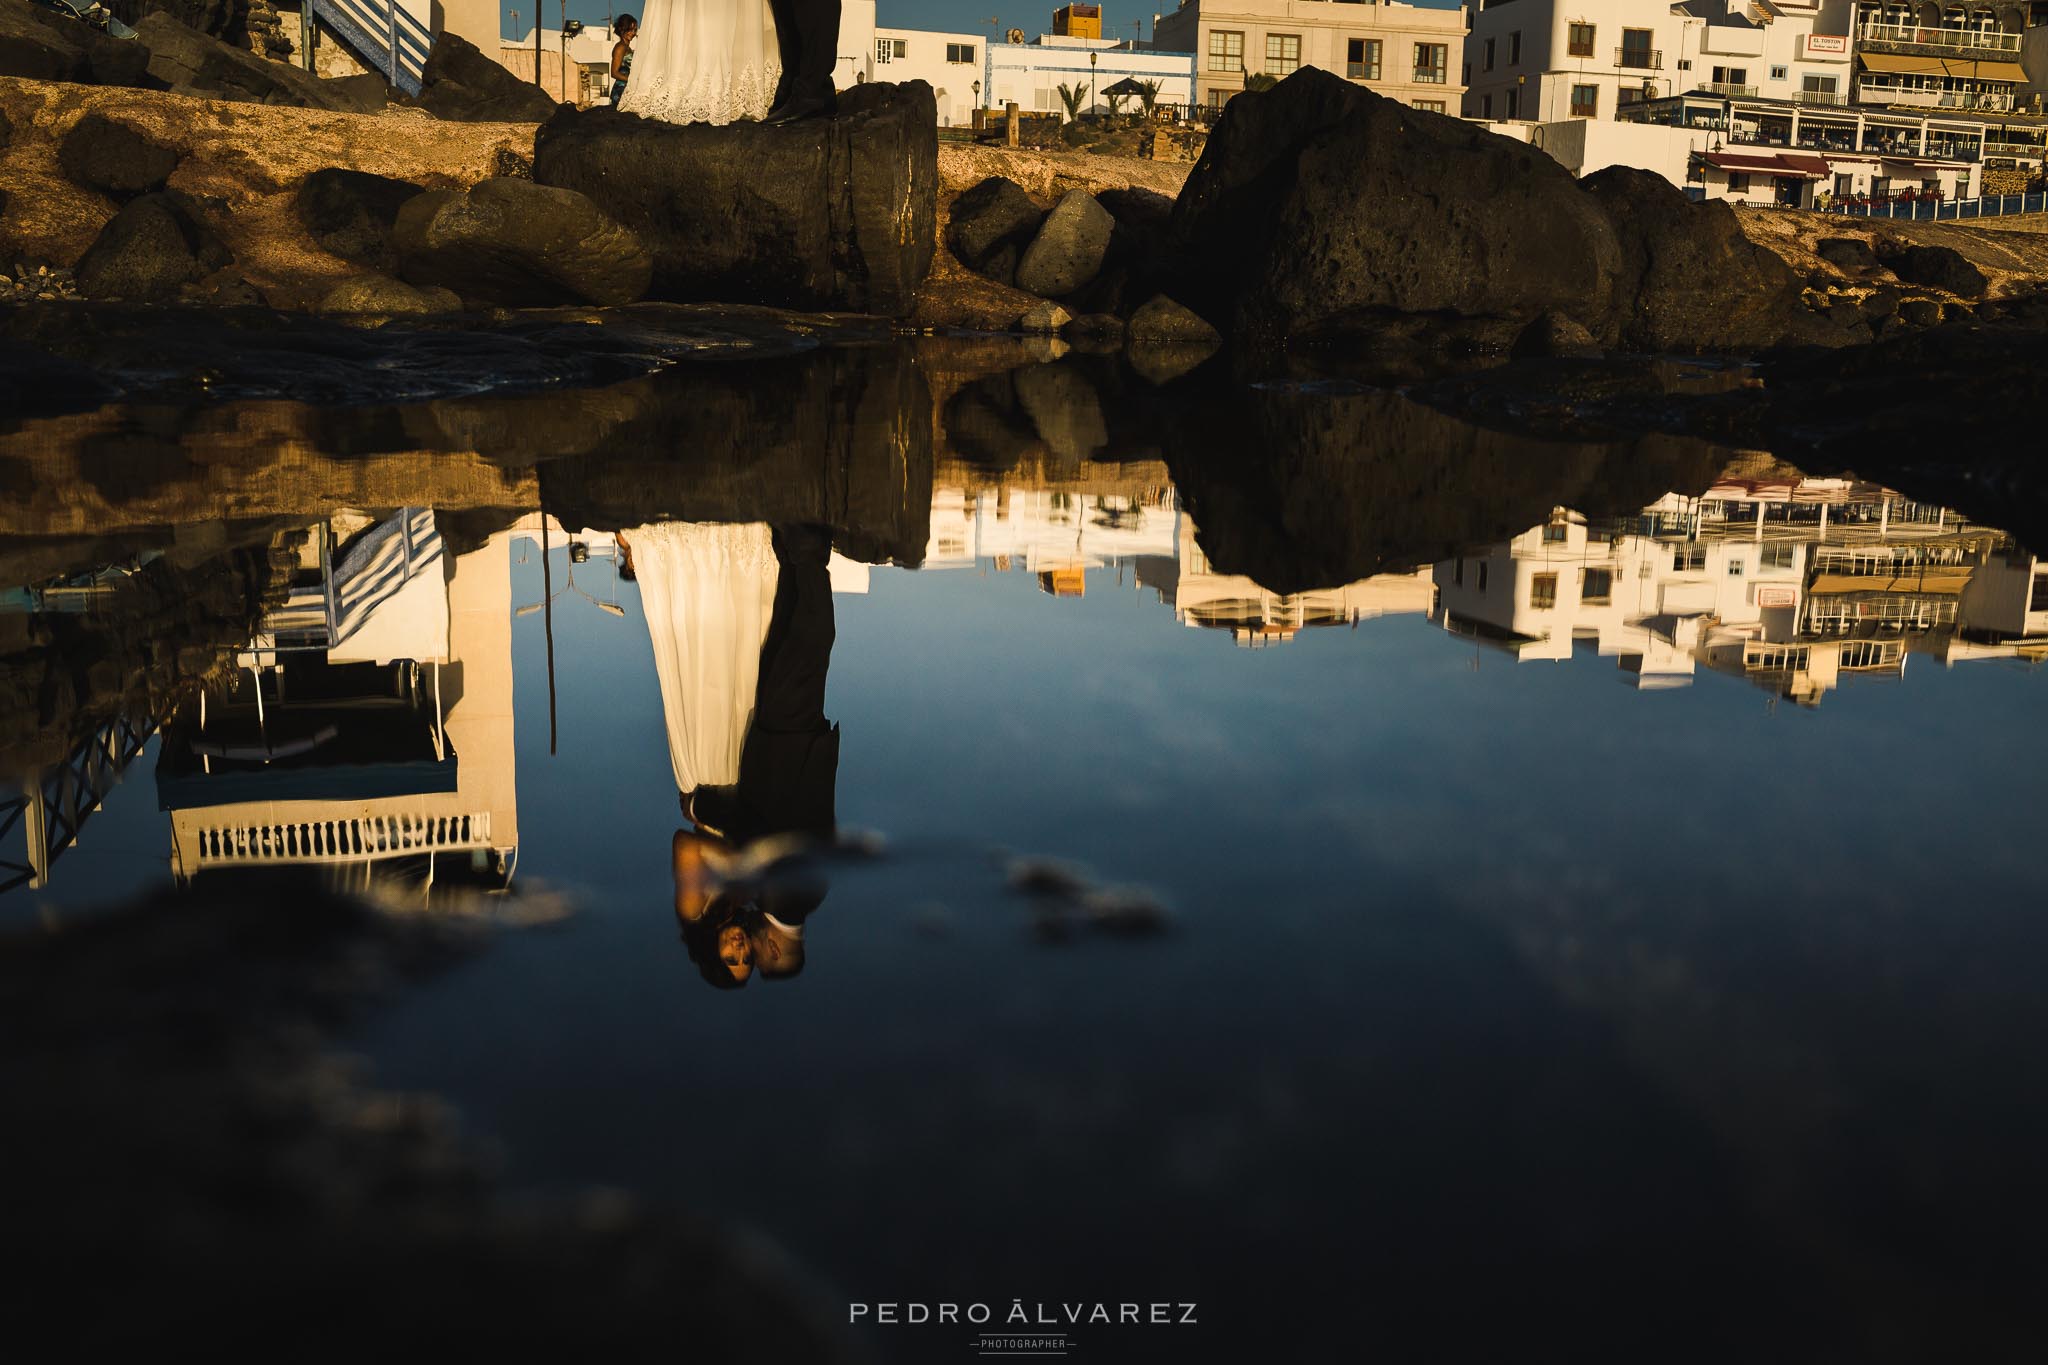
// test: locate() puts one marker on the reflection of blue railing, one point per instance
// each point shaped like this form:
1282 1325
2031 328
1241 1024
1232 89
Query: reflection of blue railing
1925 210
387 37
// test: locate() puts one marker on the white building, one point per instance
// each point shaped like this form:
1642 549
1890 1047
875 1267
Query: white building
951 63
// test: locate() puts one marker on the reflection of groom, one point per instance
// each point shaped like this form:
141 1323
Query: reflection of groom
808 33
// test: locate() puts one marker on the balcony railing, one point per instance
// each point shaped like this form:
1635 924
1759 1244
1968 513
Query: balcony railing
2033 150
1886 92
1888 37
1639 58
1741 92
1827 98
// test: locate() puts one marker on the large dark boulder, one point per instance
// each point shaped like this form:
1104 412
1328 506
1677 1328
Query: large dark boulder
150 250
1846 253
351 213
990 224
227 20
1690 280
837 213
1938 267
1069 249
185 60
1319 208
461 84
40 44
104 154
514 242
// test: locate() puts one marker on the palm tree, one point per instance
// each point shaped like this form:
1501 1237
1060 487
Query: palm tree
1261 81
1071 96
1148 95
1115 100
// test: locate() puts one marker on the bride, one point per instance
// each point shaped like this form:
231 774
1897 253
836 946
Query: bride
704 61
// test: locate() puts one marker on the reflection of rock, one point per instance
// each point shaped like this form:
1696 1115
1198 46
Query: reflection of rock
1301 488
837 437
1065 410
518 243
837 213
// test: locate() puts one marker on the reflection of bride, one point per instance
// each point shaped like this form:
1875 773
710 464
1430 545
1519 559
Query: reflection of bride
704 61
709 594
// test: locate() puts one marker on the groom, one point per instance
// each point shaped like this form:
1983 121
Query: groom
808 33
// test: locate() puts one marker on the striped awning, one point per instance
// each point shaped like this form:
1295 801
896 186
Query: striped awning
1890 65
1770 163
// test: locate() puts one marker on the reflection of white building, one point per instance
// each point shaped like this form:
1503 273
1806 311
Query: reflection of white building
372 733
1056 534
1256 616
1791 583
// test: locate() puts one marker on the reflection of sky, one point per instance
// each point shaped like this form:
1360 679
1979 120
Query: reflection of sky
1388 850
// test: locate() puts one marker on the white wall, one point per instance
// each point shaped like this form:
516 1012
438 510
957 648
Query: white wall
1030 73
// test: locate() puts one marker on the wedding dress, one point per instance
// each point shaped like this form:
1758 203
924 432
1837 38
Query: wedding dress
709 594
704 61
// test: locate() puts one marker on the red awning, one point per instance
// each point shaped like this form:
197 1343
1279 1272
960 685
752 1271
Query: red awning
1766 163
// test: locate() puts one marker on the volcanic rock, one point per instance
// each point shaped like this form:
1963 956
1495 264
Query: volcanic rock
104 154
829 213
382 295
1070 247
188 61
518 243
351 213
1939 267
1846 253
1163 320
461 84
40 44
149 250
990 226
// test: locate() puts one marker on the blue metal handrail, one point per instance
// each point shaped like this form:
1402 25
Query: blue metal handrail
383 34
1930 210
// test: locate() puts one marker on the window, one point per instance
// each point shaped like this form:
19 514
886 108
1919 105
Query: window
1515 48
1432 63
885 48
1459 576
1218 98
1482 575
1731 75
1585 101
1283 53
1557 532
1880 187
1630 94
960 54
1486 63
1226 51
1514 104
1777 73
1735 567
1579 40
1738 182
1486 106
1776 555
1596 587
2039 600
1688 559
1430 106
1543 591
1362 59
1636 51
1845 185
1817 90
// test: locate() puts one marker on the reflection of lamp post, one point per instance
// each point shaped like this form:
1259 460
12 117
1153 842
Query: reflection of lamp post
570 28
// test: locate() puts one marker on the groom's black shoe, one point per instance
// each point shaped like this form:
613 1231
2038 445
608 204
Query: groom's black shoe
800 107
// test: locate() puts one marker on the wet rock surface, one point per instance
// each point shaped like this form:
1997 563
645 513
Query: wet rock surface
835 213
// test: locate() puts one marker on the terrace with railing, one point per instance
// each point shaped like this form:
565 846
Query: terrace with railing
1937 41
1639 58
1912 92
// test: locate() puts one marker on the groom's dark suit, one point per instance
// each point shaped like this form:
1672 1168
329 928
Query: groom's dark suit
808 33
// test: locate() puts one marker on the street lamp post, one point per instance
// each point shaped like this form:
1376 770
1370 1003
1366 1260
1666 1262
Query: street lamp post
1092 57
570 28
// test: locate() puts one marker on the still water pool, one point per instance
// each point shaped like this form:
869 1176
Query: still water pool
1414 892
